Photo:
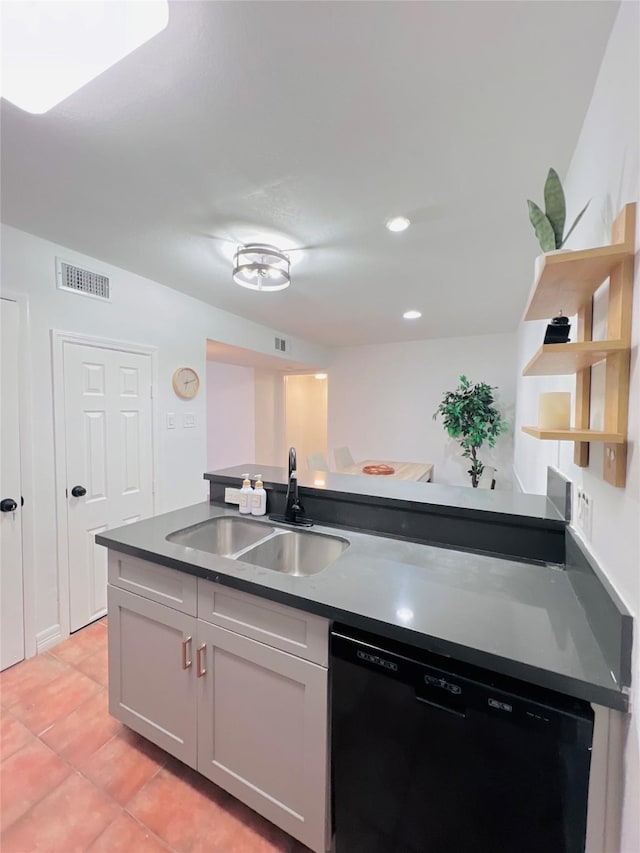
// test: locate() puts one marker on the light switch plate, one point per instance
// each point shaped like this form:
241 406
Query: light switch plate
171 420
232 496
188 420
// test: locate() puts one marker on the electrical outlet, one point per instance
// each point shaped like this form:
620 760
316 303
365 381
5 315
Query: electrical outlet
232 496
584 512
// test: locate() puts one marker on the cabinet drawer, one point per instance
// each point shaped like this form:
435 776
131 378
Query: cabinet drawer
294 631
174 589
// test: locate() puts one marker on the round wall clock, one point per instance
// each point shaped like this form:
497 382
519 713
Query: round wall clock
186 383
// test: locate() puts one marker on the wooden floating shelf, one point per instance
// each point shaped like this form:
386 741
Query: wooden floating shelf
566 282
562 359
575 435
569 279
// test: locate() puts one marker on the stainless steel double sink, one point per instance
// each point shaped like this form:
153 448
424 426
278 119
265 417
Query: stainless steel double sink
292 552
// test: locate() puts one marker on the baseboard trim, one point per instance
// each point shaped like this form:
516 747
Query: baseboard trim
48 638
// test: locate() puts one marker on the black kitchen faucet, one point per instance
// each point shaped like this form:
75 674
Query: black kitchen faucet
294 511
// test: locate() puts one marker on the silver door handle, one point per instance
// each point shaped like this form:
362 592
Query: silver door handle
200 654
186 658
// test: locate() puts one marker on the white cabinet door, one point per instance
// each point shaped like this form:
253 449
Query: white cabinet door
152 684
11 601
262 730
107 396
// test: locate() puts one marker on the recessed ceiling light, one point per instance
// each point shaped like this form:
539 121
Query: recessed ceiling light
321 375
398 223
412 315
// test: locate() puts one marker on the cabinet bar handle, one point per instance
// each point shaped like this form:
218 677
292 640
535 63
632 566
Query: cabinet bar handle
200 653
186 660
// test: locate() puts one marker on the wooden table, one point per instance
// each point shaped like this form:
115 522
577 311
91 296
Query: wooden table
416 471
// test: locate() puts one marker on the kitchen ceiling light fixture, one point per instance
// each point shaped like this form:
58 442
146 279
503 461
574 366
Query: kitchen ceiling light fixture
260 266
51 49
320 375
412 315
398 223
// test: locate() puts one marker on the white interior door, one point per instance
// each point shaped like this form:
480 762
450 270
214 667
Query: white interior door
11 595
108 434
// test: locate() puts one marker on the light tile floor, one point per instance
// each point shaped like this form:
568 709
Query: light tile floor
74 779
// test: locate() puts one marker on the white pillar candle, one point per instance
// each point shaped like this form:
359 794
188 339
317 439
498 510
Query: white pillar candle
555 410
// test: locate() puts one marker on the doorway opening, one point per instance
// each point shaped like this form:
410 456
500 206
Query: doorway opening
251 416
306 419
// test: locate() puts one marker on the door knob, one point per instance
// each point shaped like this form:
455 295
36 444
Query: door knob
78 491
8 505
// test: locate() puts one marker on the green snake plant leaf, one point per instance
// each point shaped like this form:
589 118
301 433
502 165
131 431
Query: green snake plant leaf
542 226
554 205
578 218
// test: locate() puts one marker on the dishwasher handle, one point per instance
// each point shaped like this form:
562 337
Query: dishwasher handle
457 712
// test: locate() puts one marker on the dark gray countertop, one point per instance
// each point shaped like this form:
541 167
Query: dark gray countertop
515 618
456 498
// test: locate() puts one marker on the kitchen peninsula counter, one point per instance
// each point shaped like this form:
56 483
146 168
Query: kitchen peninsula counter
516 618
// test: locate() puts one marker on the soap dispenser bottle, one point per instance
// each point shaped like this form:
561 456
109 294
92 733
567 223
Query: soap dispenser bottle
259 498
246 493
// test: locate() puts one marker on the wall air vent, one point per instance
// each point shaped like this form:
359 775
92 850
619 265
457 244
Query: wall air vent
281 344
77 280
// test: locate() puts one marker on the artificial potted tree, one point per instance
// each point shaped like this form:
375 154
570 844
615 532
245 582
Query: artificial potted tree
471 418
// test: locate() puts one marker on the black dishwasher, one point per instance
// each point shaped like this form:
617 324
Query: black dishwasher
433 756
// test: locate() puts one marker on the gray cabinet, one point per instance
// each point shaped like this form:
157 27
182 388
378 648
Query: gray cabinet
245 704
262 730
301 634
152 688
177 590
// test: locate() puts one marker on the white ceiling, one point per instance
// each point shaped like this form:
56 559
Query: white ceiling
316 121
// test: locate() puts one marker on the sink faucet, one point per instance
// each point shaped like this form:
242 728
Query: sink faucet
294 511
294 507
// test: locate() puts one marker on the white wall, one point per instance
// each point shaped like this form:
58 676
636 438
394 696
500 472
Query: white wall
141 311
231 434
605 168
382 398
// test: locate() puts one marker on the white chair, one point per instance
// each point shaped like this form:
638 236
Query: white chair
487 478
317 462
343 457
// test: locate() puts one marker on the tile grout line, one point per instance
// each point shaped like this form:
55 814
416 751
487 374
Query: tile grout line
144 827
10 705
71 668
39 799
